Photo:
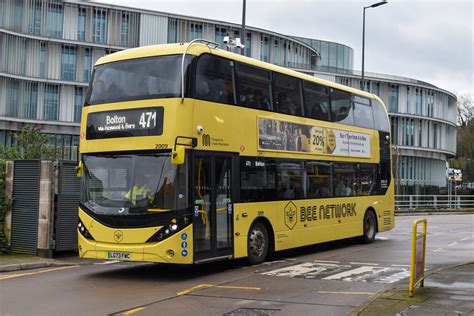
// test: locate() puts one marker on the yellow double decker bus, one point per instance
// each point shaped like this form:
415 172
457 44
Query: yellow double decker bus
192 154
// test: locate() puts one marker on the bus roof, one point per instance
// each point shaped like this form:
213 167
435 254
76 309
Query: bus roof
198 49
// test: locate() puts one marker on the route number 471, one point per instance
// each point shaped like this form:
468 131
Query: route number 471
147 120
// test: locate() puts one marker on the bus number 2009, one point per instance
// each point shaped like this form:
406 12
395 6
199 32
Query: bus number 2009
161 146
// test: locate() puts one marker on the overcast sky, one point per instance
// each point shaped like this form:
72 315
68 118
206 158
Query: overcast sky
427 40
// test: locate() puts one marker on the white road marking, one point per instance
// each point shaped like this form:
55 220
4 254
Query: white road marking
326 261
401 265
368 272
376 273
439 250
465 238
364 263
381 238
108 262
452 244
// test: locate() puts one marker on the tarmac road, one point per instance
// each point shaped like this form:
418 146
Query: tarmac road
328 279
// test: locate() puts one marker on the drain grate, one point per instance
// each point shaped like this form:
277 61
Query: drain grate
251 312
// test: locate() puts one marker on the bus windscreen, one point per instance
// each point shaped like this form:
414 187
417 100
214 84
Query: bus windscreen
137 79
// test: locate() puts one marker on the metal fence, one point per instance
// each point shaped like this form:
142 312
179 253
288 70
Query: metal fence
433 202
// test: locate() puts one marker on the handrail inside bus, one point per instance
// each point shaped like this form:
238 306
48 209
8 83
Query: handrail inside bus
210 44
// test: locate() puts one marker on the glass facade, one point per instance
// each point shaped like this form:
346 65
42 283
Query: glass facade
265 49
124 29
87 64
99 25
78 101
68 63
81 25
393 98
195 31
55 20
220 34
333 56
51 102
172 30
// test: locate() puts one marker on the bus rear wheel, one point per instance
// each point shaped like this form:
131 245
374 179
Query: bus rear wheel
369 227
258 243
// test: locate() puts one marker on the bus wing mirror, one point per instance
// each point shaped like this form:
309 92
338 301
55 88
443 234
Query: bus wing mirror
177 156
79 169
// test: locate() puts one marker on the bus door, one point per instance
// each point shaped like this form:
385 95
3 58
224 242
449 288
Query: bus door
213 205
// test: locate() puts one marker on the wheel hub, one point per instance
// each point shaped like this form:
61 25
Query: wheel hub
257 242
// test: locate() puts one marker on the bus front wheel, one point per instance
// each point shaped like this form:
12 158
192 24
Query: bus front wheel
258 243
369 227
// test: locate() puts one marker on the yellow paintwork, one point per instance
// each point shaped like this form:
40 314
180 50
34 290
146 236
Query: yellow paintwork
228 128
134 242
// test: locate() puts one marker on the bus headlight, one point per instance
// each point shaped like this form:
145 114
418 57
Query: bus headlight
83 231
170 229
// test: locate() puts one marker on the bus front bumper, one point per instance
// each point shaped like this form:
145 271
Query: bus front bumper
174 249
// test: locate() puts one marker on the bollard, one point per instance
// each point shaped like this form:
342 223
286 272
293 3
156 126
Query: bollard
418 250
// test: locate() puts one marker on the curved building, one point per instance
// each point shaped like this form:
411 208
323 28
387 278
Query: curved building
48 49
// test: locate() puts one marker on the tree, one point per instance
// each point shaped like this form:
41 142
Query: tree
465 109
33 144
465 135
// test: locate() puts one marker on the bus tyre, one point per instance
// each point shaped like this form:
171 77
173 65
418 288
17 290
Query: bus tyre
258 243
369 227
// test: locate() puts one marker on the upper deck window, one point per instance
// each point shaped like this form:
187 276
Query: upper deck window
136 79
214 79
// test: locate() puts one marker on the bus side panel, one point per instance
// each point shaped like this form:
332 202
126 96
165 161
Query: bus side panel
305 222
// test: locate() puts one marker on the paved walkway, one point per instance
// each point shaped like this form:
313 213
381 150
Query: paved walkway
13 262
447 291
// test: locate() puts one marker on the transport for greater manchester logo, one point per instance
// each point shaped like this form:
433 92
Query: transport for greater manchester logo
206 140
290 215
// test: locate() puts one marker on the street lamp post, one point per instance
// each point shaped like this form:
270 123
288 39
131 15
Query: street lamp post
242 36
363 36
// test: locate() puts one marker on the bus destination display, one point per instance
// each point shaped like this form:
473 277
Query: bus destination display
125 123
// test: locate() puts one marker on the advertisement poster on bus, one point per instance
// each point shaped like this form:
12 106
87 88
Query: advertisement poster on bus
288 136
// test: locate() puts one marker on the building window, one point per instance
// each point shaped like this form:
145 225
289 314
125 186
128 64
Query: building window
418 101
276 53
51 102
376 88
172 31
265 51
394 126
12 98
81 25
78 99
35 18
30 100
87 64
248 44
220 34
393 98
55 20
68 63
430 103
125 25
99 24
333 55
420 132
42 63
195 31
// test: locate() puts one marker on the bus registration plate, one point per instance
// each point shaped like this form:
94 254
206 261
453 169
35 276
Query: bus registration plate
119 255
